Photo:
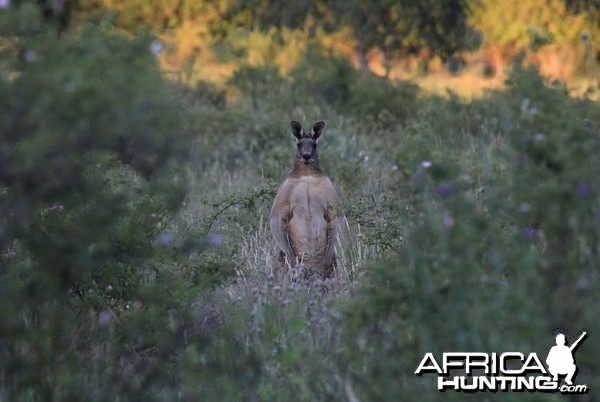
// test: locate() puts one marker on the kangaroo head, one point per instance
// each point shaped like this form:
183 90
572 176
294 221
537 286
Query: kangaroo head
307 142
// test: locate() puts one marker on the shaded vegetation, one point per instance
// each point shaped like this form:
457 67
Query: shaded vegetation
135 258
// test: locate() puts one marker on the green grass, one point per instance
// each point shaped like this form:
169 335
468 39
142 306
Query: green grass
469 226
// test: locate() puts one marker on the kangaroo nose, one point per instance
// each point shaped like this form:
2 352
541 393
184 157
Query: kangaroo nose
306 156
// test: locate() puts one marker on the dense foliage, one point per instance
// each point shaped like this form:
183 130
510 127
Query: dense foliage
135 255
93 145
380 36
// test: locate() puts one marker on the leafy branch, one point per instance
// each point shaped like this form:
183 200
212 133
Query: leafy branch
246 199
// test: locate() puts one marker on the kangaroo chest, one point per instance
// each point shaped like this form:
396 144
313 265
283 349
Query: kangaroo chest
309 216
308 197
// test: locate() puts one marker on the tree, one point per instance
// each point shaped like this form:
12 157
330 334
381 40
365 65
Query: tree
135 14
396 28
383 24
402 28
88 137
443 27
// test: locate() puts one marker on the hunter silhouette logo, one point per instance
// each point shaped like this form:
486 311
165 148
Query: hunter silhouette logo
560 358
508 371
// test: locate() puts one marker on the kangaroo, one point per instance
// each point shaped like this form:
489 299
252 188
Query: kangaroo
303 218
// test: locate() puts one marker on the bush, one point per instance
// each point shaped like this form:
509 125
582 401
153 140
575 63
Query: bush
326 78
488 268
92 285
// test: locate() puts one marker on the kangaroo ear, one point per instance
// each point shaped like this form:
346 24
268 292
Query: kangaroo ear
297 130
318 129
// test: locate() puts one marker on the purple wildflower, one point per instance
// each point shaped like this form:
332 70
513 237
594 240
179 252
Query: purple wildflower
530 232
165 239
443 190
583 189
449 221
30 56
215 239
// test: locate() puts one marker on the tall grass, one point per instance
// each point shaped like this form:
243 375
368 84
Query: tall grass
442 250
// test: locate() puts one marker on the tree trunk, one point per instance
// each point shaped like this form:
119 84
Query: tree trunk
362 60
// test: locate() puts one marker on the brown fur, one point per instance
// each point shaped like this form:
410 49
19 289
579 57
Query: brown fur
304 218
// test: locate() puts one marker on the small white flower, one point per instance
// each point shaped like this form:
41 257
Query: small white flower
69 87
30 55
156 46
540 137
524 207
105 318
426 164
394 168
582 283
4 4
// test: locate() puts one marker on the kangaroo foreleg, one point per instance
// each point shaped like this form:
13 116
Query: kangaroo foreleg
279 228
331 241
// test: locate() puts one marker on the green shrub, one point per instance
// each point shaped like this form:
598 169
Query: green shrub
491 268
321 77
92 285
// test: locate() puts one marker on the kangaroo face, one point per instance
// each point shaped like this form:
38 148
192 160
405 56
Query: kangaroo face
307 142
307 150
